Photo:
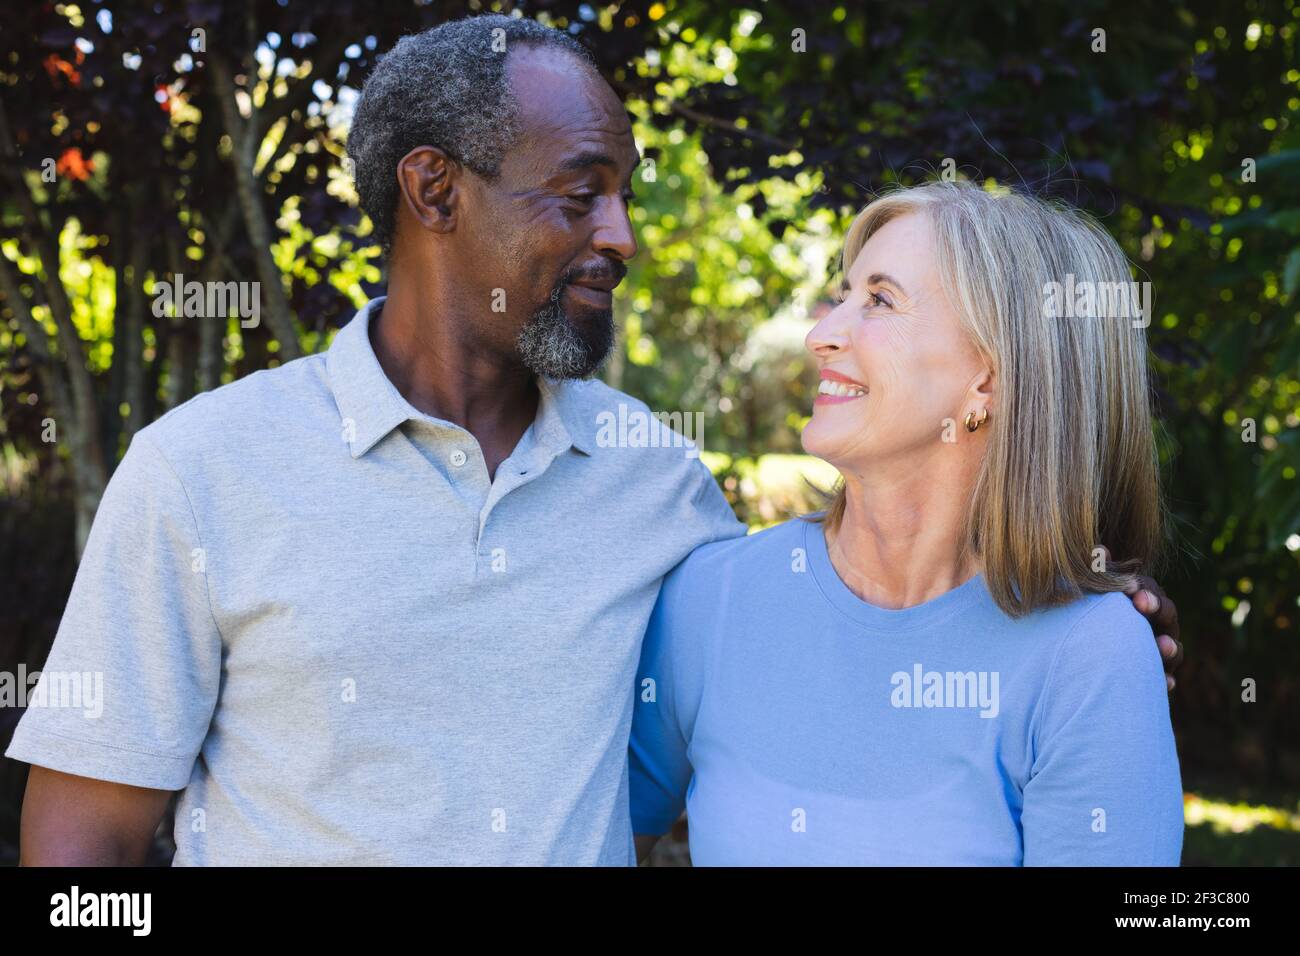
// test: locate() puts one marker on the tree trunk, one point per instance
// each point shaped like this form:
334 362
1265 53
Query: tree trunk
131 314
78 419
279 314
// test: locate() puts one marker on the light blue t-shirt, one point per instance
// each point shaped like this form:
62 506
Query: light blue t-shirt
800 725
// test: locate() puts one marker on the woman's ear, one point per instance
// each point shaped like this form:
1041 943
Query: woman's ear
983 387
428 179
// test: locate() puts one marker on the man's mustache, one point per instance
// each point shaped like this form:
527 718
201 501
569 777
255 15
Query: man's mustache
612 271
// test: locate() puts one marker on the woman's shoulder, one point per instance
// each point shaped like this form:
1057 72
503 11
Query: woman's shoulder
1101 634
737 560
1110 613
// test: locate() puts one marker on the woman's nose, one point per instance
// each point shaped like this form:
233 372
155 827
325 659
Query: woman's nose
827 336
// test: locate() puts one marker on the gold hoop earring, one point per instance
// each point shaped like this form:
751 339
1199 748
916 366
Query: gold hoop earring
972 424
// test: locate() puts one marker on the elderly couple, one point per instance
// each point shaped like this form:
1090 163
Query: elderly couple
394 604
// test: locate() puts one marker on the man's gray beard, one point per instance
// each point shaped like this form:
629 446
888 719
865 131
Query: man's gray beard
550 345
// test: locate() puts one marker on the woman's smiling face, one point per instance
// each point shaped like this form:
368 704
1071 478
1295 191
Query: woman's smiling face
894 359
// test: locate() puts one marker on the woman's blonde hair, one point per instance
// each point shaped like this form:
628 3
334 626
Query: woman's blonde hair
1071 463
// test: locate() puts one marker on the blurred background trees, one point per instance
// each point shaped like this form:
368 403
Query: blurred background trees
144 140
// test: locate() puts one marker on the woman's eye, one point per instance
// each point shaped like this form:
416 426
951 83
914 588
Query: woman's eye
875 298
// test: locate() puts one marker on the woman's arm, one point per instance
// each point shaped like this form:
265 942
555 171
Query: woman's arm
669 682
1104 789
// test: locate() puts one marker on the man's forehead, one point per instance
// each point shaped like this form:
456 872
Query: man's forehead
566 103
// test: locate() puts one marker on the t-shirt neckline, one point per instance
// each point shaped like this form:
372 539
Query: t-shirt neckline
966 594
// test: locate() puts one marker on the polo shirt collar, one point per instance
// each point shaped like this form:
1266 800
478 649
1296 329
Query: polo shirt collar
371 406
560 412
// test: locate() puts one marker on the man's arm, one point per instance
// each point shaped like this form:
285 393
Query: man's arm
644 844
78 821
135 670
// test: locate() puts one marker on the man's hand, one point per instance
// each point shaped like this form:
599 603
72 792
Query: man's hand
1159 610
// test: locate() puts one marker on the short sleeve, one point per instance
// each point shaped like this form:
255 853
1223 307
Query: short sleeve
131 681
1104 789
711 505
670 682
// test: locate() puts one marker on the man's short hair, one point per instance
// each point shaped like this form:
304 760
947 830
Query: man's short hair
445 87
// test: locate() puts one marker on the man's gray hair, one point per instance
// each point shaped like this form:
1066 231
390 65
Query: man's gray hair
444 87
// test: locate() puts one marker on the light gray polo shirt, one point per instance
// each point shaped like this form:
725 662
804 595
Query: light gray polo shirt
313 611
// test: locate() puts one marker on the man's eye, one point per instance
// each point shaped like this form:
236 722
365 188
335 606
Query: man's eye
584 199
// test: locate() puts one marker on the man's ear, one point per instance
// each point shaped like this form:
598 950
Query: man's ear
429 180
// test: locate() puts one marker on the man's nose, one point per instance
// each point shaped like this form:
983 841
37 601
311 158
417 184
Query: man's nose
614 236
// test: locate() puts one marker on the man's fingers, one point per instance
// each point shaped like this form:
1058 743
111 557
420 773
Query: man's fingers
1171 652
1160 610
1154 604
1134 585
1165 619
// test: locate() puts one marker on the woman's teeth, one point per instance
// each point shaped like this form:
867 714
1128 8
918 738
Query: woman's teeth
839 389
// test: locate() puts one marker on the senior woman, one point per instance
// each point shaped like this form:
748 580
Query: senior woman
941 668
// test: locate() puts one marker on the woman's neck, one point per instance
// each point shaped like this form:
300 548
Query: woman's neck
902 539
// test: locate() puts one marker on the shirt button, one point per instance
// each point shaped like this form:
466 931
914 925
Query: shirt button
458 458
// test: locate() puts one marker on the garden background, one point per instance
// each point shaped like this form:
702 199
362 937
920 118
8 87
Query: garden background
143 140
